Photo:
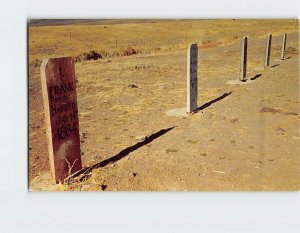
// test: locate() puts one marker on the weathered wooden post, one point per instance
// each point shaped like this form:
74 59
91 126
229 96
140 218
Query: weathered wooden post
268 50
243 64
283 46
61 116
192 79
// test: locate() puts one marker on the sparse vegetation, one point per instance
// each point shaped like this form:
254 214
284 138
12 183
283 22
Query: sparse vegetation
92 55
129 51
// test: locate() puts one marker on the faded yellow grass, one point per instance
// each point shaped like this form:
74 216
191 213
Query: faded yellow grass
155 37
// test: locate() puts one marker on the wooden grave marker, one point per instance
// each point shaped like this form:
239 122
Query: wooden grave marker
61 116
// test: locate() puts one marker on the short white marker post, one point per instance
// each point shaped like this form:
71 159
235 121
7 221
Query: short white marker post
268 50
283 46
192 79
243 63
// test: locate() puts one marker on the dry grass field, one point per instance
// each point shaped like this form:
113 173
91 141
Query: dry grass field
244 138
153 37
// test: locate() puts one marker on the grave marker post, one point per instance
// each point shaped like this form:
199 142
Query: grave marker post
243 62
61 116
283 46
192 79
268 50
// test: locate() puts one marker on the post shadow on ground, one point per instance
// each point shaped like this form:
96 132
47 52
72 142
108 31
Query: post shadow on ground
211 102
84 173
275 65
255 77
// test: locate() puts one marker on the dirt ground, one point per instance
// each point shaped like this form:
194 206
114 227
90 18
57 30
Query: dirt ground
243 138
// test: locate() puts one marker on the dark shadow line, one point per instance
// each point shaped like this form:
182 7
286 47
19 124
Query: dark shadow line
255 77
120 155
287 58
274 65
211 102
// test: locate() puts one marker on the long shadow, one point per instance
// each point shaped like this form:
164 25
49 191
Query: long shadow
255 77
275 65
211 102
85 171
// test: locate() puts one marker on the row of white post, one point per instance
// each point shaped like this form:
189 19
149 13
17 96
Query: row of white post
243 63
192 60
